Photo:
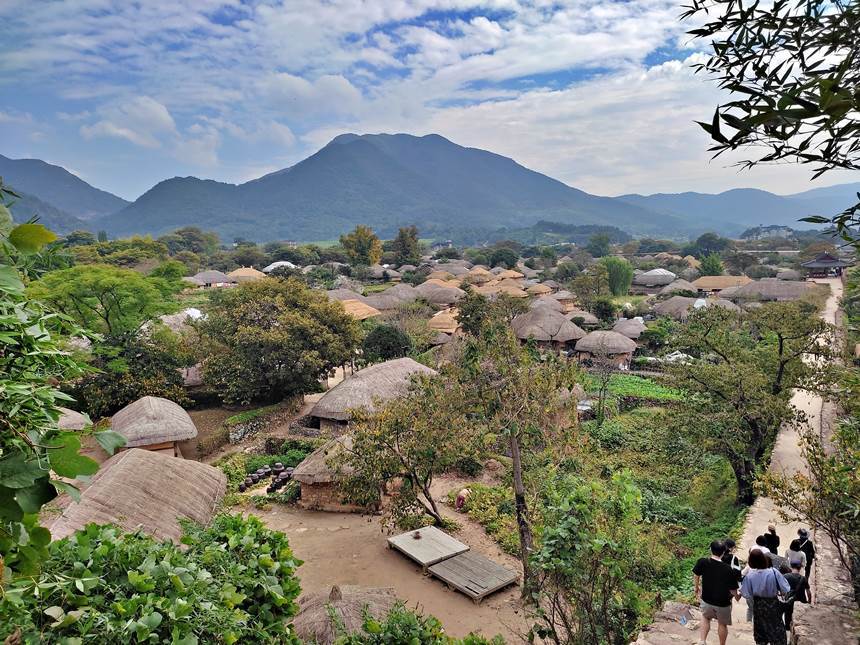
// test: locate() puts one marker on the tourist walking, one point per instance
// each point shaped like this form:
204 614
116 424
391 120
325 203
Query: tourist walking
762 587
771 539
730 558
808 548
716 585
800 591
793 553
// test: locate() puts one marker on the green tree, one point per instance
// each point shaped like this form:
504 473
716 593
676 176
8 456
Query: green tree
103 298
270 339
385 342
566 271
504 257
362 246
805 111
712 264
591 283
620 274
706 244
406 248
598 245
33 450
740 387
548 256
192 239
475 312
79 238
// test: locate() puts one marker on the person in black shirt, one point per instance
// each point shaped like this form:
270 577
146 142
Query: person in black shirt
730 558
800 591
716 585
771 539
807 547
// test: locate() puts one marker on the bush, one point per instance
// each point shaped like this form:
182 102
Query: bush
231 582
386 342
404 626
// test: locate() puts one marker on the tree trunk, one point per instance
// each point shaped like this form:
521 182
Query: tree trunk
525 530
430 505
744 470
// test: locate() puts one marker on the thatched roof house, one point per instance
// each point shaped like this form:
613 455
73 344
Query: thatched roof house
140 489
178 322
654 278
345 294
478 275
318 478
445 321
246 274
608 345
788 274
630 327
510 274
440 275
277 265
680 307
377 383
547 301
402 291
716 283
583 318
315 624
439 295
539 290
771 289
379 272
383 301
692 262
71 420
513 292
360 310
212 278
154 423
546 326
677 286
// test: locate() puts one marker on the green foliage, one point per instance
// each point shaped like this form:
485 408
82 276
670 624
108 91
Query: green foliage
566 271
706 244
453 253
493 508
103 298
404 626
270 339
406 248
385 342
603 307
362 246
598 245
31 445
504 257
620 273
128 367
712 264
233 581
250 415
476 313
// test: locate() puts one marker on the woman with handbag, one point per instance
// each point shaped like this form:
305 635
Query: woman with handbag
765 587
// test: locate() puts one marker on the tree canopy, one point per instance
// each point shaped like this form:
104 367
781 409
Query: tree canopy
620 274
406 248
362 246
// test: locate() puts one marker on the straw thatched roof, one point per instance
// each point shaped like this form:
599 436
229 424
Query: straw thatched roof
152 420
539 290
717 282
487 290
544 324
439 295
440 339
564 295
313 623
654 278
588 318
402 291
788 274
178 322
383 382
344 294
146 490
769 289
440 275
605 343
445 321
510 274
478 275
189 279
552 284
246 274
410 268
212 277
513 292
316 468
678 285
378 272
675 307
630 327
527 272
692 262
71 420
547 301
360 310
383 301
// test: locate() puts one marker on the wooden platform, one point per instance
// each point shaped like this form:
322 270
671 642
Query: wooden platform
473 575
431 547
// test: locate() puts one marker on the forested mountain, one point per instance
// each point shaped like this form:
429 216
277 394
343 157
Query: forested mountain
384 181
59 221
59 188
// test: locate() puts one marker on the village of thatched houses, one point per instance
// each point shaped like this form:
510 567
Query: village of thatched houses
547 328
607 347
155 424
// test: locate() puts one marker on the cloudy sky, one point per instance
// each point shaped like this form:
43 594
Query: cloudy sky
596 93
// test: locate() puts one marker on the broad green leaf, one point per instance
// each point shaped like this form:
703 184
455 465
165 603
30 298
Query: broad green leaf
6 224
10 281
65 487
17 472
32 498
65 460
29 238
9 509
110 440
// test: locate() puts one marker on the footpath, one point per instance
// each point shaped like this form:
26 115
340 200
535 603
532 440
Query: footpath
832 620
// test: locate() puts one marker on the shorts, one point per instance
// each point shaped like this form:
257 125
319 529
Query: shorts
723 615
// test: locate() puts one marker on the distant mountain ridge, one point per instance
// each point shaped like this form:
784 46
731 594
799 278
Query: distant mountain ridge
58 188
391 180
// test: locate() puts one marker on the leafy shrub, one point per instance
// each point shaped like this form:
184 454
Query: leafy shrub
386 342
469 466
491 507
234 581
249 415
404 626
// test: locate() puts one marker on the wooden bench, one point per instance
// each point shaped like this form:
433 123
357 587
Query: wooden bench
427 546
473 574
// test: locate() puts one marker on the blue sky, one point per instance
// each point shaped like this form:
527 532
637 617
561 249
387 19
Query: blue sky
598 94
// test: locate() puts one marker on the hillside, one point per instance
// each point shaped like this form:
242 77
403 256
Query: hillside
58 187
55 219
385 181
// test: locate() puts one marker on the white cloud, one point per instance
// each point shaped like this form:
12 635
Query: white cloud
141 120
294 96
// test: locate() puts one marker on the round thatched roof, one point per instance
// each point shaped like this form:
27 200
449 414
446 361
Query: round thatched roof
383 301
548 302
360 310
439 295
147 490
588 318
345 294
771 289
246 274
605 343
439 274
402 291
675 307
71 420
317 468
478 275
383 382
629 327
544 324
654 277
407 268
510 274
152 420
445 321
513 292
212 277
677 285
564 295
314 624
787 274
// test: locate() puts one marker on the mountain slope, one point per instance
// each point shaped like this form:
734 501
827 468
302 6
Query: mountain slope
384 181
58 187
59 221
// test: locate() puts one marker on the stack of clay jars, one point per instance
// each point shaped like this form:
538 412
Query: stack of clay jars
280 477
261 474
